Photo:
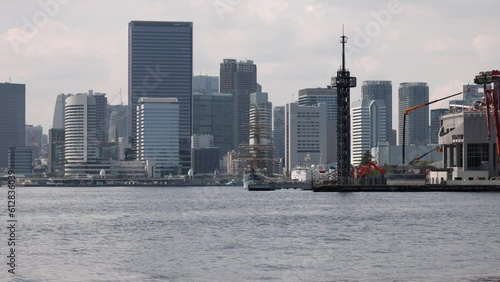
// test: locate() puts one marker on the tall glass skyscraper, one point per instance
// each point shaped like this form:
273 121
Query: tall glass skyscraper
380 90
158 134
58 120
161 66
12 118
417 123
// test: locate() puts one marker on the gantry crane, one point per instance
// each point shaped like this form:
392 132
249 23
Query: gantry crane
491 95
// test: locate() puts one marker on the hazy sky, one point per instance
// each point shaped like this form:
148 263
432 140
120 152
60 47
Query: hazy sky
77 45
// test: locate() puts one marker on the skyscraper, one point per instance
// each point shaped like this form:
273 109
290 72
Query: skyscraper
80 126
279 136
417 123
313 96
12 118
158 134
305 134
472 93
34 136
56 151
368 127
240 79
213 114
205 84
58 119
436 125
101 111
380 90
161 66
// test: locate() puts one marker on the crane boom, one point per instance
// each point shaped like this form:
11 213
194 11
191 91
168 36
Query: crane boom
414 108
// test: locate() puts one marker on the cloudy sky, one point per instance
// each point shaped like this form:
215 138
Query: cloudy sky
69 46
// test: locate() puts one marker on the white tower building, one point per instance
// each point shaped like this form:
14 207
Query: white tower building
368 127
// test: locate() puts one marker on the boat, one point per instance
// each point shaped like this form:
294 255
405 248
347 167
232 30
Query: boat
254 180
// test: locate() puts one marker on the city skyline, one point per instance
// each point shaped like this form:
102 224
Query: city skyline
297 45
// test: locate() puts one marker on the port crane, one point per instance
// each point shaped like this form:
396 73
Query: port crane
414 108
491 96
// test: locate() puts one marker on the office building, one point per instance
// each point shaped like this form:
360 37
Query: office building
305 131
118 128
213 114
417 123
158 134
80 128
313 96
34 140
466 147
205 84
436 124
12 119
161 66
204 156
20 160
473 93
58 119
368 127
279 138
380 90
240 79
56 151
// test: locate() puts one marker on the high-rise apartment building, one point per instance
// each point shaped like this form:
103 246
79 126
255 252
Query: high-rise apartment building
161 66
305 128
240 79
158 134
313 96
12 118
436 124
380 90
417 123
213 114
368 127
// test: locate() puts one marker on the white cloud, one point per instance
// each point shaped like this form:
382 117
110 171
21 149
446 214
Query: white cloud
369 64
486 45
447 89
441 45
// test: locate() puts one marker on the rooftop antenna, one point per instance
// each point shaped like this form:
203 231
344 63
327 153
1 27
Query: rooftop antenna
10 79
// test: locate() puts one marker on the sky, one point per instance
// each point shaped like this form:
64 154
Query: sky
72 46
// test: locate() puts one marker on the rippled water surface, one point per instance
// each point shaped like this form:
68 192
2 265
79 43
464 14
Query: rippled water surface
229 234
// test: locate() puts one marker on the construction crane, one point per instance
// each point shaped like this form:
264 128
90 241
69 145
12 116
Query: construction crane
418 158
360 170
409 110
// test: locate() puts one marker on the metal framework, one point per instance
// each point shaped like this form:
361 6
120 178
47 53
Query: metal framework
343 82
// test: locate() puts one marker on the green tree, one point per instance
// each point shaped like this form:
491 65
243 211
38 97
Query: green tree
367 158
